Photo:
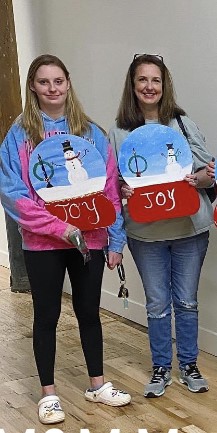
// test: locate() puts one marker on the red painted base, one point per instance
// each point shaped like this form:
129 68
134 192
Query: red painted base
215 216
87 213
163 201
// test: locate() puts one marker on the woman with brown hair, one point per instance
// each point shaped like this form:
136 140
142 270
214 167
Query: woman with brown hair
169 253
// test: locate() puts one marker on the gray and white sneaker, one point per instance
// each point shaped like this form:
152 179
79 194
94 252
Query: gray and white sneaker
191 377
160 379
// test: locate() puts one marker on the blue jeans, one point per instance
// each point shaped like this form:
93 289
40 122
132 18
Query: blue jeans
170 272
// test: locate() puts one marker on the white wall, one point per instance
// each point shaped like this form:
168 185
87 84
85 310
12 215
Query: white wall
97 40
4 261
29 24
29 44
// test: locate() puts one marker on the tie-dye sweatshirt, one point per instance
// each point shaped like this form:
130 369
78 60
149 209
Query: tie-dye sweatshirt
39 229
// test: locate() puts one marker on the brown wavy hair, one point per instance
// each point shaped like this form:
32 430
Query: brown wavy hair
129 114
31 119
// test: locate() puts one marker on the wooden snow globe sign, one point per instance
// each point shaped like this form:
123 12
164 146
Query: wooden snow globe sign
69 174
154 160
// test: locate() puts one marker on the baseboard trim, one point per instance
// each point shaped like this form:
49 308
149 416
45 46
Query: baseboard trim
135 312
4 260
207 340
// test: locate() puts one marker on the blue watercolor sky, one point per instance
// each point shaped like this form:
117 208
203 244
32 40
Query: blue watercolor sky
51 151
149 142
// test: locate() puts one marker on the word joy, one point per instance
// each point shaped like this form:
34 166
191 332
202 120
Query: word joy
160 199
86 430
93 211
167 200
74 210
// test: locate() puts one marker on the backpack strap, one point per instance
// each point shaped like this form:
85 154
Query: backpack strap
211 191
181 126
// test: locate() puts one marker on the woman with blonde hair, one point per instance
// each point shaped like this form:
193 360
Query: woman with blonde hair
52 246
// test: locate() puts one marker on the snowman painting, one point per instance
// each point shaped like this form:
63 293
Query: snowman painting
73 164
173 168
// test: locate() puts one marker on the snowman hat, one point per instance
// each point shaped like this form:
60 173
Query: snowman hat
170 146
67 146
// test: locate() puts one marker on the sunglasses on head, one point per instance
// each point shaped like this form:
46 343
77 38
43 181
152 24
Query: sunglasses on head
148 55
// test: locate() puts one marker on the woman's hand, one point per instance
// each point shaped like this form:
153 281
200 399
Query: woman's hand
114 259
201 179
210 169
126 191
192 179
68 232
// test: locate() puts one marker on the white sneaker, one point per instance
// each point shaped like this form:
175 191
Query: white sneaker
108 395
49 410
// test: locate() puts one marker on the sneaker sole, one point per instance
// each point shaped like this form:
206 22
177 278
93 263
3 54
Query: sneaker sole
200 390
154 395
54 420
108 403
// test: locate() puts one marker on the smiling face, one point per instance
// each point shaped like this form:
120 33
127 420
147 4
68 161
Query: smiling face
51 86
148 86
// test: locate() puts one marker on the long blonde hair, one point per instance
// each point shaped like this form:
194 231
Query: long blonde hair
129 114
31 119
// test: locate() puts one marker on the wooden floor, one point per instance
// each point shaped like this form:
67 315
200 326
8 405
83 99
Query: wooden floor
127 364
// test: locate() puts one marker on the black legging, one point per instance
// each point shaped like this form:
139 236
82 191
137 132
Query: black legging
46 271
